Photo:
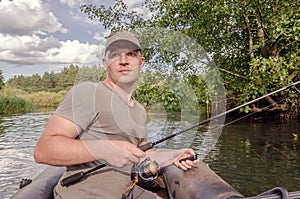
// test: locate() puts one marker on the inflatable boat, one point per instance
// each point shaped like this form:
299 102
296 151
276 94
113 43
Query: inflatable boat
199 182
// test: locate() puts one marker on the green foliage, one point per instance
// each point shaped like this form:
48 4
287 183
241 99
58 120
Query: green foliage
154 89
23 94
1 80
274 72
45 99
16 100
55 82
171 92
113 17
12 104
268 29
255 44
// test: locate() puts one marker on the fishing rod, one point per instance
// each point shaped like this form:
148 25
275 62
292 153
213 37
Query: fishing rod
78 176
150 145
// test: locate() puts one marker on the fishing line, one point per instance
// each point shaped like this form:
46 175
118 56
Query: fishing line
233 121
296 89
279 101
236 120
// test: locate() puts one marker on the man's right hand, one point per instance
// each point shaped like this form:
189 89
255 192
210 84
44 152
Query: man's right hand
117 153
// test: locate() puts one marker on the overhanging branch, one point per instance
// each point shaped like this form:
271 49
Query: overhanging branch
234 74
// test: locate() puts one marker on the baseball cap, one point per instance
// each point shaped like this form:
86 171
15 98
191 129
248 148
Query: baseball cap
122 35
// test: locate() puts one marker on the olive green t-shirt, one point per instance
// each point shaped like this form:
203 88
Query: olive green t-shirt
101 114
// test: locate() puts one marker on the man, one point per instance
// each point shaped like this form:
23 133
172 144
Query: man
100 123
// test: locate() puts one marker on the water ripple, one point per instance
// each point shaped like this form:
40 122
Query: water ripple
18 136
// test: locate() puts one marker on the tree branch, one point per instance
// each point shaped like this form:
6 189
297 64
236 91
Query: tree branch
260 17
234 74
288 44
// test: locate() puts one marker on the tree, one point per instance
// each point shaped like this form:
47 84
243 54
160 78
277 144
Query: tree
47 81
254 43
35 82
1 80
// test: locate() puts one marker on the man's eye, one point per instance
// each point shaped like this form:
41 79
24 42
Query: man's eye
114 55
132 54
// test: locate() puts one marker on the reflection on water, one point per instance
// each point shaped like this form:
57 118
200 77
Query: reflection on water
257 156
18 136
252 156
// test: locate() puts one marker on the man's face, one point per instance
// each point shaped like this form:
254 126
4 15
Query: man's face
123 63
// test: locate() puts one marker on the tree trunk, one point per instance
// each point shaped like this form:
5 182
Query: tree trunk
250 39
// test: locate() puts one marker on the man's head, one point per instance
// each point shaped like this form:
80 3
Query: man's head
120 39
123 59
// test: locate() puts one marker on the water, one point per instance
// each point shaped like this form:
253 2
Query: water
18 136
255 156
252 156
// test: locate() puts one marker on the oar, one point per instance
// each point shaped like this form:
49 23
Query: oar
78 176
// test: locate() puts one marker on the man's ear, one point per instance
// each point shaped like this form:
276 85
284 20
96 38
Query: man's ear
142 62
104 63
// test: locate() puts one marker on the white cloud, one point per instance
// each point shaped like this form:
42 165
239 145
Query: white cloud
133 3
101 36
75 52
72 3
23 17
30 50
136 5
25 39
33 39
79 16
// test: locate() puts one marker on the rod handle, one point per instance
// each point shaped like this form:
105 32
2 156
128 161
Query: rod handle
189 158
146 146
72 179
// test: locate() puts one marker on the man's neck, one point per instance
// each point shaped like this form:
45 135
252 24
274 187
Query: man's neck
125 92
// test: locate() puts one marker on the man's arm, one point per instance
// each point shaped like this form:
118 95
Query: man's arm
58 146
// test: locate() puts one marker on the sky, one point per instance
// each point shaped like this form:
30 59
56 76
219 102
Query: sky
47 35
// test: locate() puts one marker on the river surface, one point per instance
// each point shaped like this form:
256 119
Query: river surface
251 155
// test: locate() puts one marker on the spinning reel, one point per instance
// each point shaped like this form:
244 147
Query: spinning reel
148 170
145 173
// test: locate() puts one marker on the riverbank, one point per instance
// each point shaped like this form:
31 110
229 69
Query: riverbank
18 101
14 100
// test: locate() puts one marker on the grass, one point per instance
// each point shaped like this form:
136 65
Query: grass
10 104
18 101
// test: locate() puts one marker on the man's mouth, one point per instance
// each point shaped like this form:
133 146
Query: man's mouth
124 70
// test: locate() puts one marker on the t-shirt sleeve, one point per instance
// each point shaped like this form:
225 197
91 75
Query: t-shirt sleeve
78 104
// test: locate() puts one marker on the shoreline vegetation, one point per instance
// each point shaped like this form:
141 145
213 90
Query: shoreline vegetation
154 90
14 100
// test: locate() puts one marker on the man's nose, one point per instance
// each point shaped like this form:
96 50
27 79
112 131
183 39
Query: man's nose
123 58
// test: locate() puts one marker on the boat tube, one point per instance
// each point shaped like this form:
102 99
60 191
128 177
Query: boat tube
42 186
199 182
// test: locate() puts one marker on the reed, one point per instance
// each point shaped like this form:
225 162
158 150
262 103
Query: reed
45 99
13 104
18 101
